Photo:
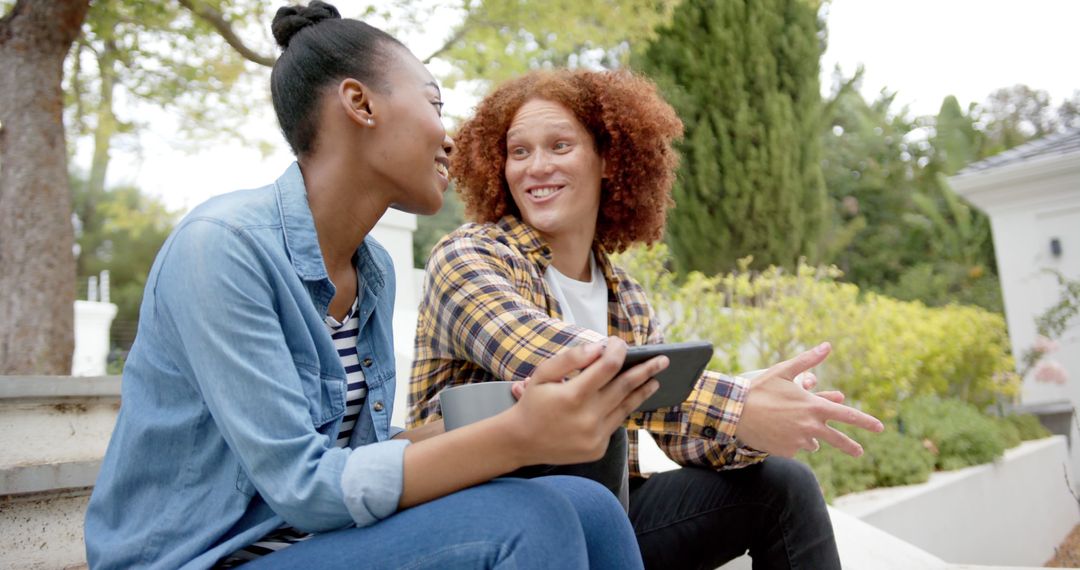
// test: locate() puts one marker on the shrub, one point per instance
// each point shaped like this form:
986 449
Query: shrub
1027 426
1010 432
962 435
884 350
943 363
891 458
897 458
838 473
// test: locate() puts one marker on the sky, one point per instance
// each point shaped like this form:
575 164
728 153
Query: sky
922 49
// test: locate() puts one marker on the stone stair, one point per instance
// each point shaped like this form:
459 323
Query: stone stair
54 431
53 434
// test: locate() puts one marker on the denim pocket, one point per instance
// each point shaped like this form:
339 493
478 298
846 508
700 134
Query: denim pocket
243 484
325 394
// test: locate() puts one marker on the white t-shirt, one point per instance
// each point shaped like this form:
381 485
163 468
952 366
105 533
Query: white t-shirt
583 303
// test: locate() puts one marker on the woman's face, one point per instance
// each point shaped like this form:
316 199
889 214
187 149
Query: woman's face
410 143
553 170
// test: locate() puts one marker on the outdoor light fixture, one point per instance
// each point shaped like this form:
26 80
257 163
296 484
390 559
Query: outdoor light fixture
1055 247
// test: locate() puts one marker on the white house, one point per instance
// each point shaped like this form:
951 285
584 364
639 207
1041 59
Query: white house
1032 195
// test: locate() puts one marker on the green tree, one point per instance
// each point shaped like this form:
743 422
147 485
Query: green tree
499 39
130 229
36 235
870 171
1069 111
188 58
743 76
956 141
910 236
958 263
1011 116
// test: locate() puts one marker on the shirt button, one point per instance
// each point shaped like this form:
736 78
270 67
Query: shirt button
367 362
378 407
709 432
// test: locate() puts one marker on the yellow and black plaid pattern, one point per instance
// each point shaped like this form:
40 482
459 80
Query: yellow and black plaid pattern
488 315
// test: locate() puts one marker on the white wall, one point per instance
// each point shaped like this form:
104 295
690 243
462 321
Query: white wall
395 232
1014 511
1022 236
1029 204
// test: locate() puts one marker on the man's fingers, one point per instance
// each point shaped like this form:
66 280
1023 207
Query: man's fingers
834 396
808 380
835 438
851 416
567 361
789 369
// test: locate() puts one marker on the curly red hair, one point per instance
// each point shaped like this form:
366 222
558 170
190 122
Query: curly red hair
633 129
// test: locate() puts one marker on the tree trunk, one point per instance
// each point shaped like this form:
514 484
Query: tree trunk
105 129
37 266
106 122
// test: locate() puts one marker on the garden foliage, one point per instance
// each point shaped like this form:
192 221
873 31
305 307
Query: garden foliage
928 372
884 351
743 77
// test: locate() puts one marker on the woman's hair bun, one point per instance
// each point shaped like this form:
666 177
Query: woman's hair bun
292 19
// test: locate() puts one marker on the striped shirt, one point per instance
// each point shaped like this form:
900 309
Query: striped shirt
345 334
487 314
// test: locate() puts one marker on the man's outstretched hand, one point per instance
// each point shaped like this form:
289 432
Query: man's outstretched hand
781 417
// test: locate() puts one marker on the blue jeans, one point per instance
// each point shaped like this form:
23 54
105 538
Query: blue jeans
547 522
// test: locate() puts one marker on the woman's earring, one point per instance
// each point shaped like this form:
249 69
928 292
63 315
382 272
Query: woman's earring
371 122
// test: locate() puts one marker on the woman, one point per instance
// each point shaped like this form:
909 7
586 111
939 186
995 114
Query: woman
256 399
559 168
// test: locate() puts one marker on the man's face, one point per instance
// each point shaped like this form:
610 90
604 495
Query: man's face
553 170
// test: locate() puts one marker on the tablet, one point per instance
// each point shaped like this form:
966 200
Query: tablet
688 361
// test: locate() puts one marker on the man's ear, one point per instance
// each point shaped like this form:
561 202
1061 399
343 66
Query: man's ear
355 99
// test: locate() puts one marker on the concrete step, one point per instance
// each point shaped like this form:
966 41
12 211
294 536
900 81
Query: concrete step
53 434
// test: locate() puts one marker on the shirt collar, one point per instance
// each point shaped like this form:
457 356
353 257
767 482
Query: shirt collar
529 241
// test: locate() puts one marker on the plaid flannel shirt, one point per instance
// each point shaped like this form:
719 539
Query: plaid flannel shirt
488 315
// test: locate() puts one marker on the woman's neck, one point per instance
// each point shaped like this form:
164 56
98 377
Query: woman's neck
344 214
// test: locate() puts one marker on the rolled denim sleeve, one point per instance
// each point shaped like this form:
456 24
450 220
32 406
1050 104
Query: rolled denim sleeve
373 479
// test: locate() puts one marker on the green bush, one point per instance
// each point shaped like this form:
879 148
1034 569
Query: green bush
944 363
962 435
891 458
1027 426
838 473
884 350
1010 432
897 458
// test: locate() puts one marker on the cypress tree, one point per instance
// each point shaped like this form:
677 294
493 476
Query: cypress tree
955 138
743 76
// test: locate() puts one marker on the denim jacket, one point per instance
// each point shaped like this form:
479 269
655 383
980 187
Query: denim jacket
233 392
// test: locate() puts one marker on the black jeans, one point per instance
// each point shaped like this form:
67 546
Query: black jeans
699 518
